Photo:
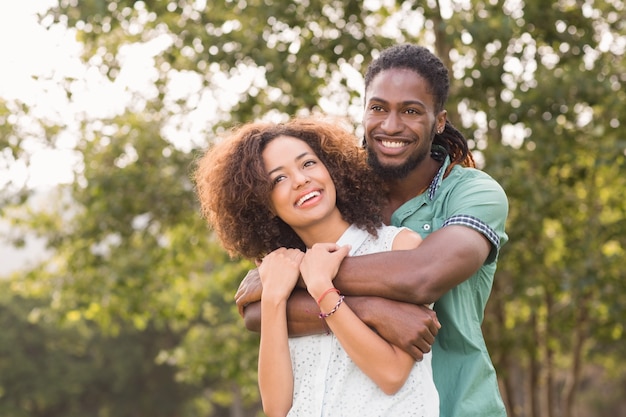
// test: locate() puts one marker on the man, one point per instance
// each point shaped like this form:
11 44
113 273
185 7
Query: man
434 190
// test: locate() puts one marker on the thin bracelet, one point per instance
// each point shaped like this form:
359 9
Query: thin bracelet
326 328
331 312
325 293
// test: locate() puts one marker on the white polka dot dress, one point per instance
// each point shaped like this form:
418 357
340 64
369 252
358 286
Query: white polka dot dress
328 384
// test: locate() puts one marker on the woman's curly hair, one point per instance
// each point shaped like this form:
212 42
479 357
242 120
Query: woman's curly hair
234 188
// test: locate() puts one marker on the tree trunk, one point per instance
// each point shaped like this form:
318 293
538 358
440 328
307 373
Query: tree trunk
533 369
549 356
236 408
580 336
501 356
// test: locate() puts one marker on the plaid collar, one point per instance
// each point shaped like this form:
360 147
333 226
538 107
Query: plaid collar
438 178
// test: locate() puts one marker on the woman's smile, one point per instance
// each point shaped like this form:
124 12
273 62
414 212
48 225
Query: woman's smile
309 198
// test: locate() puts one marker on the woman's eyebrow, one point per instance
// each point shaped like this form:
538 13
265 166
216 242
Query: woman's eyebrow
297 158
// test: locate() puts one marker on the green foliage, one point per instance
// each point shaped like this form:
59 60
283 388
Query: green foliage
74 370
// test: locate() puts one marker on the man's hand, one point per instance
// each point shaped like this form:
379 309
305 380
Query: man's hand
249 290
410 327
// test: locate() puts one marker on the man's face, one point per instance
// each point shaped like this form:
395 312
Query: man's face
400 122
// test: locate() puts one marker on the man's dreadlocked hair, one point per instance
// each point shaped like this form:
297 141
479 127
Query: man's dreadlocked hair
428 66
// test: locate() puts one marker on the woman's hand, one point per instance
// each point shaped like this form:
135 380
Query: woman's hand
279 272
320 265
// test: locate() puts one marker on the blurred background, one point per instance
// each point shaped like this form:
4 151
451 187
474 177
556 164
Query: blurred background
116 300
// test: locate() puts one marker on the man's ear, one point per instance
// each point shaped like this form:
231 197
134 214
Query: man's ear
441 121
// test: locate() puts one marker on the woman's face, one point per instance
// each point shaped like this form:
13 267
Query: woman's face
303 192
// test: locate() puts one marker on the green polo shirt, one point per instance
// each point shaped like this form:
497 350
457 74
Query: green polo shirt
463 371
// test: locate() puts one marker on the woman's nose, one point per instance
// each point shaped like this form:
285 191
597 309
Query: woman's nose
301 179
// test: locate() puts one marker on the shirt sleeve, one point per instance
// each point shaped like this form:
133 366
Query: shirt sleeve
479 202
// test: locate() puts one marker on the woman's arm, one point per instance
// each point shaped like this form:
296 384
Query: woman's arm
275 372
387 365
279 273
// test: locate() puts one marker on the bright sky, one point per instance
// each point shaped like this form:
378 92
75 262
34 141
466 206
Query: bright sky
26 48
36 61
38 58
41 56
33 61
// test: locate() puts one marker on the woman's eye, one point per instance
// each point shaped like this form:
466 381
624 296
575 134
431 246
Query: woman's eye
278 179
309 163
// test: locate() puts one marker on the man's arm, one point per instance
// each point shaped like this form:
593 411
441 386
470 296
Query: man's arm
418 276
410 327
422 275
302 315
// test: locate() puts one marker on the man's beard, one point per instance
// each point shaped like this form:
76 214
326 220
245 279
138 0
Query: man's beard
395 172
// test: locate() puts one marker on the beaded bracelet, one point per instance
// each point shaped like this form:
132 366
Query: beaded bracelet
331 312
325 293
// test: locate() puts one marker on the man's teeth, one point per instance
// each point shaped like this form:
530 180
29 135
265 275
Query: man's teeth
307 196
390 144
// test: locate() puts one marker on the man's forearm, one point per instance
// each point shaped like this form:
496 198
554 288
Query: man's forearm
412 328
419 276
302 315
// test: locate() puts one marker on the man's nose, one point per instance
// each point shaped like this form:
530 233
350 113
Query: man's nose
392 123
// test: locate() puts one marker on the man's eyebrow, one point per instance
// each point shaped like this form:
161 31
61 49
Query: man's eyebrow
404 103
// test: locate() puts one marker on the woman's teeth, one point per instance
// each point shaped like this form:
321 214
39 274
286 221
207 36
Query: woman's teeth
307 197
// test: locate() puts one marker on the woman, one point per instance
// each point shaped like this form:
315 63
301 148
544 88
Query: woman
300 196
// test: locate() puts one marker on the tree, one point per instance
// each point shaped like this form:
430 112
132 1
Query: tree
70 368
